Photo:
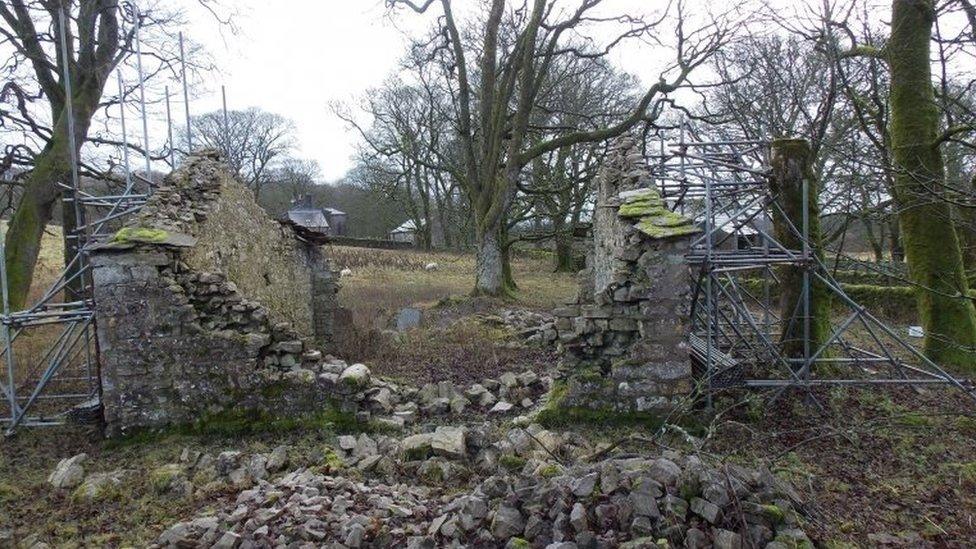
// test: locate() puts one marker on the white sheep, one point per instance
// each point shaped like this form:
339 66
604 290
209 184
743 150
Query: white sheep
345 272
430 267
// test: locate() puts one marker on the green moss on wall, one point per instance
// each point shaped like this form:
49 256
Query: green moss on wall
249 421
558 412
140 234
653 217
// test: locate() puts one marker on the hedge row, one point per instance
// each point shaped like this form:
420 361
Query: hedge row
895 303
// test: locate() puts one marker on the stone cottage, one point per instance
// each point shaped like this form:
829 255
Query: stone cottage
204 304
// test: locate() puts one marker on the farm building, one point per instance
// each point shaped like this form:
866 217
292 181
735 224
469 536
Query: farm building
406 232
322 221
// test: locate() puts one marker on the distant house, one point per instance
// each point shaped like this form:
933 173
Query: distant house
319 221
312 219
407 232
740 233
337 220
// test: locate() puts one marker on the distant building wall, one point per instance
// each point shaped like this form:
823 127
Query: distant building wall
337 222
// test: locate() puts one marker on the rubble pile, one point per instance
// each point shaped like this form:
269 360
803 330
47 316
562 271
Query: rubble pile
665 501
529 326
396 406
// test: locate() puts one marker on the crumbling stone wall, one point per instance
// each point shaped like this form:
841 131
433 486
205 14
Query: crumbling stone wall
623 341
203 304
235 237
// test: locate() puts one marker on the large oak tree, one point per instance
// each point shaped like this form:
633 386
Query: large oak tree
495 66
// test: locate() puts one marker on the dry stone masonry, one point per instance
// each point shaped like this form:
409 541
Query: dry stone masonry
624 339
203 304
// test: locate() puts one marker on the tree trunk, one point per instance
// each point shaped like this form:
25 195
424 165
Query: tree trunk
873 242
894 229
565 262
930 240
790 160
966 229
23 242
489 268
508 279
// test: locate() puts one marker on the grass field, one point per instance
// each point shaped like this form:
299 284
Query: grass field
453 344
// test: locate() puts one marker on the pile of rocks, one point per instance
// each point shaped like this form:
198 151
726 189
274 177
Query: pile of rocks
450 455
529 326
185 196
198 470
667 501
509 392
398 406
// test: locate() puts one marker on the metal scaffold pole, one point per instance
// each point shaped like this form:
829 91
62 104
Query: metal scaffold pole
46 387
737 338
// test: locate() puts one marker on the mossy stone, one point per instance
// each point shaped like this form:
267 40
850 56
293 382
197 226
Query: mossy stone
140 234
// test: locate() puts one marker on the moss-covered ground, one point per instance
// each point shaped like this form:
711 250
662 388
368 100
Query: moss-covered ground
134 514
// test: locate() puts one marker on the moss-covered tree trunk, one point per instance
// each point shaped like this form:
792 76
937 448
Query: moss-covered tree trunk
565 262
34 212
791 162
928 235
563 231
966 229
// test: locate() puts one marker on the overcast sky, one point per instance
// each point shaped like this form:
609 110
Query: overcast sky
294 57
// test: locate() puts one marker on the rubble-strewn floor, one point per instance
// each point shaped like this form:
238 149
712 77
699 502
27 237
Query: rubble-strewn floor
453 488
475 480
462 464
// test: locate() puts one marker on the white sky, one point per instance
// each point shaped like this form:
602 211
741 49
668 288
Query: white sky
295 57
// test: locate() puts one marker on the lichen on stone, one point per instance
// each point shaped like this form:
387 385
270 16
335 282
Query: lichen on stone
654 219
665 226
640 203
140 234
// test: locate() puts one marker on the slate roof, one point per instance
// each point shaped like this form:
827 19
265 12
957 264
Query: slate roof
312 218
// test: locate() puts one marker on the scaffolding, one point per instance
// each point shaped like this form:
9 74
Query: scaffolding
736 327
60 379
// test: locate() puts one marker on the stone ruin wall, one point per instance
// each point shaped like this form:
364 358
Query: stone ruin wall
623 342
234 236
203 304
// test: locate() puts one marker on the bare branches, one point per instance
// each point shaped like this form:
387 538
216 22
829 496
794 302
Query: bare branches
251 141
419 8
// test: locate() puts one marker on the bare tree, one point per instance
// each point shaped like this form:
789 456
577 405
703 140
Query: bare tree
580 93
251 141
494 69
100 37
401 150
298 175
